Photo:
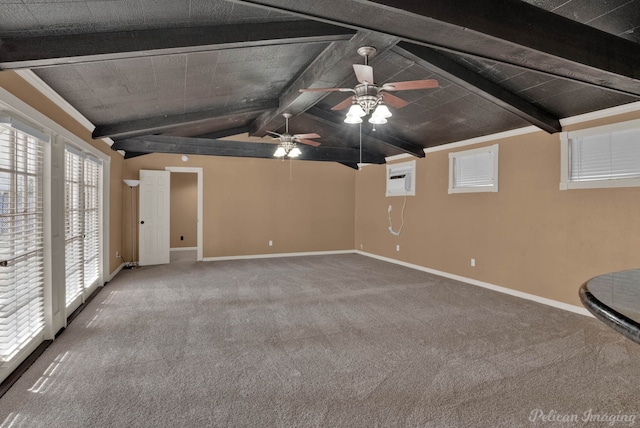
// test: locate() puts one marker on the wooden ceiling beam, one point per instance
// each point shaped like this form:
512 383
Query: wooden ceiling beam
332 67
203 146
48 51
162 123
473 82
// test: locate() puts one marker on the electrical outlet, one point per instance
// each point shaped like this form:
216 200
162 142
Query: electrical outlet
117 254
182 238
473 262
361 246
271 243
398 247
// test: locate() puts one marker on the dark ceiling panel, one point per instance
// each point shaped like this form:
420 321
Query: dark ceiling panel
186 68
509 31
562 97
618 17
177 84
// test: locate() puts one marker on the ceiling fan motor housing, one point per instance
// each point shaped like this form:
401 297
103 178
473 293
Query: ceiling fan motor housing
367 96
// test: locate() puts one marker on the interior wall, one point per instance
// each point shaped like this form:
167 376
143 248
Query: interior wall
530 236
16 85
299 206
184 210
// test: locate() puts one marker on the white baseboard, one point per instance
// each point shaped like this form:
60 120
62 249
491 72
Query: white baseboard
516 293
184 249
268 256
115 272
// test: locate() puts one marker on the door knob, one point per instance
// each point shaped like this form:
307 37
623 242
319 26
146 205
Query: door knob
142 222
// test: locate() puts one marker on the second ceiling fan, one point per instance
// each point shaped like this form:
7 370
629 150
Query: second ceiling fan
288 142
370 97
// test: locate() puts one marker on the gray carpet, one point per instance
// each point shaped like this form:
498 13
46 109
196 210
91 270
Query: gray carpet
331 341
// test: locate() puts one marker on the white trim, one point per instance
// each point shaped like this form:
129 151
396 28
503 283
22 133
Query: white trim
398 157
115 272
505 290
601 114
183 249
362 165
277 255
200 235
483 139
31 78
8 100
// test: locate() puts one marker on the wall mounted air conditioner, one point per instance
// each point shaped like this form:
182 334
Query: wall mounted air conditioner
401 179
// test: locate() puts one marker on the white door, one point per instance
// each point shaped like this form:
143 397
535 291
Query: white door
154 223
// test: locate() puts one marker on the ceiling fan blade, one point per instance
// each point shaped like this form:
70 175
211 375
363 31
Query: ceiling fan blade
412 84
327 90
364 73
308 142
314 135
343 105
394 101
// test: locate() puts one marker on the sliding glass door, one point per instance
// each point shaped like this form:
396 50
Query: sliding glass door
22 318
82 225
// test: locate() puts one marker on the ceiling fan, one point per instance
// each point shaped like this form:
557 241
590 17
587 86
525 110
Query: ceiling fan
370 97
288 143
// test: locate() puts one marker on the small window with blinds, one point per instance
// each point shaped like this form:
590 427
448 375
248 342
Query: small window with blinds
474 170
22 238
606 156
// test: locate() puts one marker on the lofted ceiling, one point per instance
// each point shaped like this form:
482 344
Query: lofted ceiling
212 77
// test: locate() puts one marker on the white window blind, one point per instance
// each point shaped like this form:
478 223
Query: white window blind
474 170
82 222
21 238
92 174
609 156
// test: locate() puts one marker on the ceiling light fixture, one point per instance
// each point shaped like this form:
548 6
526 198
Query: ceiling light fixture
371 98
288 149
368 97
288 143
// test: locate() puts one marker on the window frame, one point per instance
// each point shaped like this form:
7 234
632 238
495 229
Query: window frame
453 156
565 157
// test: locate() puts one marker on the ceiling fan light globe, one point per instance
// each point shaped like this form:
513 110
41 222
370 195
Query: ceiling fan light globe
294 153
353 119
356 110
382 111
280 152
377 120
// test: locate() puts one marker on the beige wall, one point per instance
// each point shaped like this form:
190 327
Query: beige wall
17 86
301 207
530 236
184 209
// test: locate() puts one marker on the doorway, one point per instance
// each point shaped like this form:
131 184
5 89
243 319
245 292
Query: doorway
186 214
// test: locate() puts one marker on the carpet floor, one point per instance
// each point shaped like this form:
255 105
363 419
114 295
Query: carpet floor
330 341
